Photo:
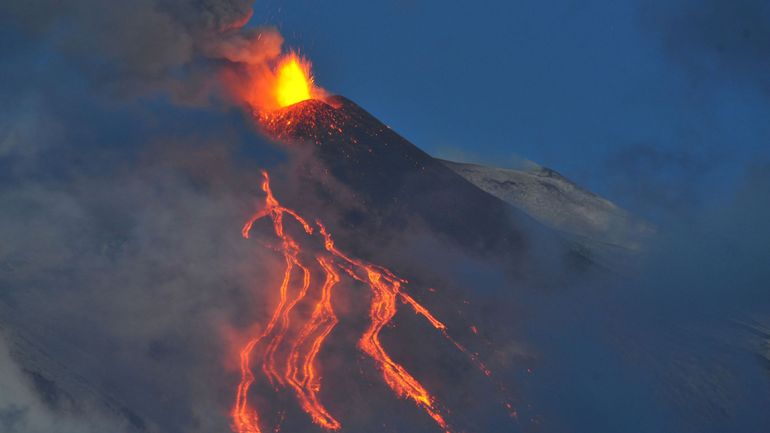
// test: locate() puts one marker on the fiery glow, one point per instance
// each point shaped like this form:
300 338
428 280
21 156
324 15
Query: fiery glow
246 419
293 80
385 290
306 381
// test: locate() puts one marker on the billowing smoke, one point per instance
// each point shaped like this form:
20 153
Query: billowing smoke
149 46
121 263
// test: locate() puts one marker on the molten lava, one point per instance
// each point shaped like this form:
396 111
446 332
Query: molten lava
299 370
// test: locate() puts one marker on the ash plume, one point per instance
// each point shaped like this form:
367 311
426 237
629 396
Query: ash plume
146 47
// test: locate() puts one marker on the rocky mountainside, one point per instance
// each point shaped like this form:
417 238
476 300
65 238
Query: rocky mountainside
394 181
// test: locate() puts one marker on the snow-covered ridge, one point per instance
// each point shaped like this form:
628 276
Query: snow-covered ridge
555 201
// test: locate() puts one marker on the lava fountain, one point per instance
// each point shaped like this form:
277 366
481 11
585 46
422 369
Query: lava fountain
294 83
281 82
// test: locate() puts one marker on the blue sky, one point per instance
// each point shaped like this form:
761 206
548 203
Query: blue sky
578 86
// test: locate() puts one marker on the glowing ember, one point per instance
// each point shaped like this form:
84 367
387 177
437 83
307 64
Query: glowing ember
300 370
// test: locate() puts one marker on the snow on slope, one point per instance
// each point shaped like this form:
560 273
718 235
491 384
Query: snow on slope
557 202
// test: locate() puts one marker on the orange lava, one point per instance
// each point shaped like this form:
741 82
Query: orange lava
305 380
386 288
246 419
299 370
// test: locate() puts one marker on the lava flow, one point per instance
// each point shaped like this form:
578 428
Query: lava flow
299 370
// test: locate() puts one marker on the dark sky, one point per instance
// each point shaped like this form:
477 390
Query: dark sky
594 89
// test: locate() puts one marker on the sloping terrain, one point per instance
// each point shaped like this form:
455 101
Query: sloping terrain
556 201
392 181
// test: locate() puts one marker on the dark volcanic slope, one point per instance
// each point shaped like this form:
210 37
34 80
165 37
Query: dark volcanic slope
390 176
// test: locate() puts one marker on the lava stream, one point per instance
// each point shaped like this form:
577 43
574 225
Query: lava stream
305 380
385 289
300 371
245 418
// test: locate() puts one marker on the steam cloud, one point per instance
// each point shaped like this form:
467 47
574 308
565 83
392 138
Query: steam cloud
119 255
137 48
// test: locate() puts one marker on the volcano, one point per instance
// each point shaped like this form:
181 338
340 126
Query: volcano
379 185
